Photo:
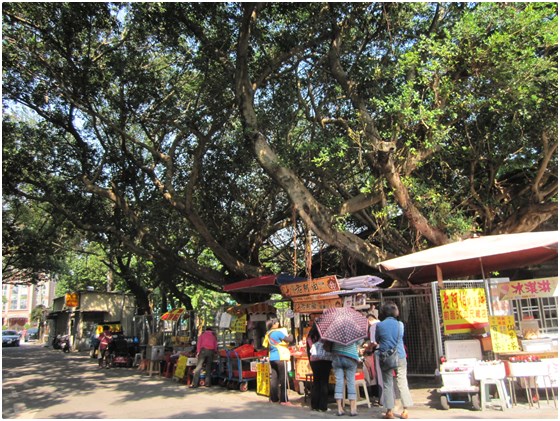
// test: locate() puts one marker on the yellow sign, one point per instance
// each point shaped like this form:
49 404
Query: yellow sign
239 324
502 332
463 310
316 306
72 299
530 288
113 328
313 286
263 379
181 367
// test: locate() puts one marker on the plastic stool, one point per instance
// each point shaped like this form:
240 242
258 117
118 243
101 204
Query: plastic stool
365 400
153 367
502 401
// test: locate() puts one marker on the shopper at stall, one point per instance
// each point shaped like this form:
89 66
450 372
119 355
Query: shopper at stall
105 338
277 340
389 335
345 363
371 363
321 363
206 348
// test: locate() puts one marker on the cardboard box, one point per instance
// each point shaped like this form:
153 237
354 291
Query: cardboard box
537 345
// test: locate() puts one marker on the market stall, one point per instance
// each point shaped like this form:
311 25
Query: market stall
517 334
314 296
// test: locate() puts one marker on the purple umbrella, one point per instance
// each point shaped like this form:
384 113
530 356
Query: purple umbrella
342 325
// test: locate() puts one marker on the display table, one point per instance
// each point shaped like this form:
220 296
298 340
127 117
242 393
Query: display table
532 376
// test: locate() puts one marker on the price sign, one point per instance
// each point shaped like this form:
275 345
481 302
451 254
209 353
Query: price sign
502 332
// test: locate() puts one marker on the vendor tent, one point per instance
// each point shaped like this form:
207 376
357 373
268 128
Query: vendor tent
268 284
474 256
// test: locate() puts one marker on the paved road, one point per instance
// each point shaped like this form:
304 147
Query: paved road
42 383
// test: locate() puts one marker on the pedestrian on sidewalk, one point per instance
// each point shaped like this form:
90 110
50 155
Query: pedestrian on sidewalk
345 363
105 339
320 361
389 335
277 340
206 348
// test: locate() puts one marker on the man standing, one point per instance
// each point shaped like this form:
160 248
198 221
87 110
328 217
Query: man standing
206 348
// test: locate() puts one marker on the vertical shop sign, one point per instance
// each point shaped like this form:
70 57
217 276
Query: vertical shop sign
181 367
502 332
263 379
463 310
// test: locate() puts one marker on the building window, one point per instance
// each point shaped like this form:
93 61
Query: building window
19 298
14 298
23 300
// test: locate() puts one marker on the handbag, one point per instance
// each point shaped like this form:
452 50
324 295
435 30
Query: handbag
319 353
388 360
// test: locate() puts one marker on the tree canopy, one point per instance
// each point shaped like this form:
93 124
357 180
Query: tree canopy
221 141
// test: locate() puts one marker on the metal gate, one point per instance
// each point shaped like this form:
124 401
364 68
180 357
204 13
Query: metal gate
416 312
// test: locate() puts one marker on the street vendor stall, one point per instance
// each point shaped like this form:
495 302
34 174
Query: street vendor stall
510 329
315 296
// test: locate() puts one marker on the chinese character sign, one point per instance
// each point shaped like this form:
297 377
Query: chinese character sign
463 310
502 332
532 288
316 306
239 324
313 286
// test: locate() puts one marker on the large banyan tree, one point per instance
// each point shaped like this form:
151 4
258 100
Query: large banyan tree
222 141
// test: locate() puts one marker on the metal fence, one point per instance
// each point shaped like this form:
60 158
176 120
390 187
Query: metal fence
416 313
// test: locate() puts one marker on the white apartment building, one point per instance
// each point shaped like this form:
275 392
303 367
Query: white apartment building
19 300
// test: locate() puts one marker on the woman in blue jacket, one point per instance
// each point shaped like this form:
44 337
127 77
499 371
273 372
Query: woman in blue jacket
389 334
277 340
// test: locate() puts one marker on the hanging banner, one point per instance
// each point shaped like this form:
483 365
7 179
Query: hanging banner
502 332
463 310
530 288
316 306
312 286
173 315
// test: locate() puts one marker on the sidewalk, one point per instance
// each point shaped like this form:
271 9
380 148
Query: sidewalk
51 385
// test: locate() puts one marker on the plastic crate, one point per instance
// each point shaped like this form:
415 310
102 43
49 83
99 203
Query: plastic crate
246 374
527 369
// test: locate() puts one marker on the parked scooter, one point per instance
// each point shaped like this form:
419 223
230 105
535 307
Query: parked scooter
62 342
